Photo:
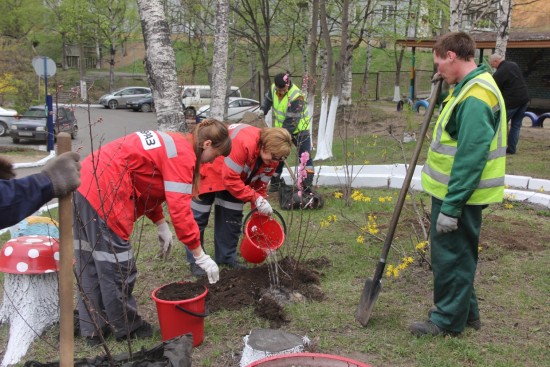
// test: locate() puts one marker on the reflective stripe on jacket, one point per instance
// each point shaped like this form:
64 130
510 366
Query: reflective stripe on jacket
436 173
231 173
134 175
284 115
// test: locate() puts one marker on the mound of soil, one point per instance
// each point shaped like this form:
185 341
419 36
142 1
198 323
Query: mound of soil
268 287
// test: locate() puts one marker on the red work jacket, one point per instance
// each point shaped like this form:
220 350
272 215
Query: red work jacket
134 175
232 172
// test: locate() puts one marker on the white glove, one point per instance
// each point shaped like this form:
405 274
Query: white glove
209 266
446 224
166 240
263 206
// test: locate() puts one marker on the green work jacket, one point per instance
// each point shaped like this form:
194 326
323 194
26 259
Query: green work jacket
467 157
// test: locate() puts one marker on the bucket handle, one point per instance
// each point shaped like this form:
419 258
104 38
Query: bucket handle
202 315
274 212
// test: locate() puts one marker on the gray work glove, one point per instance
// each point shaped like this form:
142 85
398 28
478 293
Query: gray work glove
166 239
446 224
209 266
64 173
263 206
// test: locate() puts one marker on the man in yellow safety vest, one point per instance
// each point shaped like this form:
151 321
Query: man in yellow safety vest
464 172
290 112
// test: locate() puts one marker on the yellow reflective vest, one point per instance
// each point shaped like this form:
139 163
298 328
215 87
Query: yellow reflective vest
437 169
281 110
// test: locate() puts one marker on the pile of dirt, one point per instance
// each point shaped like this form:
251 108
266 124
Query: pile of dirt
268 287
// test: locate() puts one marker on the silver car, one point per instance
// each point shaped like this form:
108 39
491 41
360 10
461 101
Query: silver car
7 116
236 108
118 98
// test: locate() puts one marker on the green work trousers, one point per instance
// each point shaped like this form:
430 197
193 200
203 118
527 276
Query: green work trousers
454 262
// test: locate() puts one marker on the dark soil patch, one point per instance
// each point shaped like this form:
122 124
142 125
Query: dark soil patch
238 288
179 291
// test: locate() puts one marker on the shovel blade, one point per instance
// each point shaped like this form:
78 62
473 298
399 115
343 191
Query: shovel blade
371 290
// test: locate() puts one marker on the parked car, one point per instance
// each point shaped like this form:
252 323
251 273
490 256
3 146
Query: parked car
32 124
7 116
236 108
143 104
196 96
118 98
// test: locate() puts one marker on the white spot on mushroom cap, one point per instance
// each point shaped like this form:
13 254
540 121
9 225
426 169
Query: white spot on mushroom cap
56 255
8 250
22 267
33 253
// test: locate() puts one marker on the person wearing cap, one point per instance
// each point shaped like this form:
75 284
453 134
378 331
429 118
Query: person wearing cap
228 183
290 112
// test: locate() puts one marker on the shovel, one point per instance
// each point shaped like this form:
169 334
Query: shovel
372 286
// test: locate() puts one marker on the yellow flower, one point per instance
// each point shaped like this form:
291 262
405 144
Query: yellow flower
508 206
338 195
360 239
381 199
540 190
479 248
367 162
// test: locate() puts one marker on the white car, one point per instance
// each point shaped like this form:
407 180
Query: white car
236 108
7 116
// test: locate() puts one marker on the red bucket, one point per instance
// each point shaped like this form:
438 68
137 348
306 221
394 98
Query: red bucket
181 317
262 235
307 360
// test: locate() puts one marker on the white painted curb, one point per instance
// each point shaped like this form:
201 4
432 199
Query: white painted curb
392 176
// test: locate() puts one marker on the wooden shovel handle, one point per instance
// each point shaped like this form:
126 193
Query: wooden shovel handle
66 306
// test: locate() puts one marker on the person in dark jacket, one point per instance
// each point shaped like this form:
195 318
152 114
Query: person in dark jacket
510 81
21 197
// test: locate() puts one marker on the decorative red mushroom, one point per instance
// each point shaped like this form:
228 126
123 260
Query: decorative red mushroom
31 301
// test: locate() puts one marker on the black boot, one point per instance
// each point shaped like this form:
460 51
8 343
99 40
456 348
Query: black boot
307 184
274 184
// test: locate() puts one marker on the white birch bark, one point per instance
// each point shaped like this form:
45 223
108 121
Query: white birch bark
219 62
325 98
456 10
160 66
504 25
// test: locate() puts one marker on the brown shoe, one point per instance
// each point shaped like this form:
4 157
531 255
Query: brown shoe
421 328
474 324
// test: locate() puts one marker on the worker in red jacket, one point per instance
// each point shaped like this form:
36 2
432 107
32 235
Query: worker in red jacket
230 182
122 181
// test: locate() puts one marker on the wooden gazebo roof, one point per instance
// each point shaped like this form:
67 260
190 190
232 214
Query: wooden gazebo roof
488 40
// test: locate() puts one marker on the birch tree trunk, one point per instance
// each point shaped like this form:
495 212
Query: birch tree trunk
219 63
160 66
456 10
312 69
322 152
504 25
